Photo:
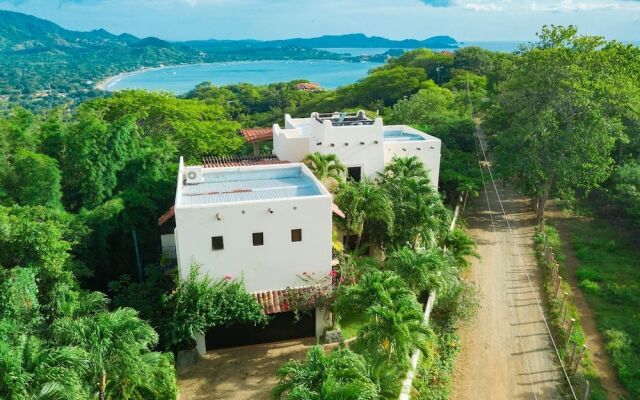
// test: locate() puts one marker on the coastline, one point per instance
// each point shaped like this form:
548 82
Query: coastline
106 83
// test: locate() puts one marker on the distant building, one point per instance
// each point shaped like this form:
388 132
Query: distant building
308 86
363 144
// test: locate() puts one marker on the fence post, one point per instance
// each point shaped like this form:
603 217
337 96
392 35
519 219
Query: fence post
586 391
563 305
572 322
580 355
558 286
573 353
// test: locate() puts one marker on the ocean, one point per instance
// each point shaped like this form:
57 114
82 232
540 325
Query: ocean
329 74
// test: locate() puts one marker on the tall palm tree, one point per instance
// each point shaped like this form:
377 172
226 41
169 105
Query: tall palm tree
32 369
420 216
393 332
421 270
367 209
326 167
340 375
374 288
118 343
405 167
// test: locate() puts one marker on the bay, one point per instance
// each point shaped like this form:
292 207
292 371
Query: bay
182 78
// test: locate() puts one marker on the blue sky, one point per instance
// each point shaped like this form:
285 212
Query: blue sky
471 20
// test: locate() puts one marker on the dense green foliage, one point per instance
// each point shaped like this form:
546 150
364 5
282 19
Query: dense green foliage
556 136
608 276
182 309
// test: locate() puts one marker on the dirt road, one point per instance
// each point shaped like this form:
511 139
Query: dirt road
506 352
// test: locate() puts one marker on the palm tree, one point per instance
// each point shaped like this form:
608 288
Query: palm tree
340 375
393 333
326 167
420 216
421 270
367 209
467 188
32 369
404 167
118 343
460 247
374 288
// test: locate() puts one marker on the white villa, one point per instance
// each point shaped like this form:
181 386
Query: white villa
364 145
268 220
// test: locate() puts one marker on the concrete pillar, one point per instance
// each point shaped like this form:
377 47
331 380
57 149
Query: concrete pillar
201 346
323 318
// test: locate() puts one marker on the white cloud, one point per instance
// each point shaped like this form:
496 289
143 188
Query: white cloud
571 6
481 6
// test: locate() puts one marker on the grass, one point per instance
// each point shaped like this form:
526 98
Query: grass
609 276
350 323
558 318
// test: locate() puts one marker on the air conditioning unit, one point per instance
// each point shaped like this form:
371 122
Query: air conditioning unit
193 175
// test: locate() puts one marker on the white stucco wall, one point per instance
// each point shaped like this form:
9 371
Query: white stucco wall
273 266
346 143
427 151
290 144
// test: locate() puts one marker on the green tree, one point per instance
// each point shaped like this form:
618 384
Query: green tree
341 374
367 209
118 343
420 216
326 167
96 151
551 130
421 270
34 180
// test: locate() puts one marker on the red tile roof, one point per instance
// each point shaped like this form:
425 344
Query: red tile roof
308 86
166 216
277 301
337 211
240 161
252 135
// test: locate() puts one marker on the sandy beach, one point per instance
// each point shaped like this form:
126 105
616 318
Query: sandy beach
108 82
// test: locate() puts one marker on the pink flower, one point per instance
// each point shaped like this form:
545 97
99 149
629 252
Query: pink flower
227 277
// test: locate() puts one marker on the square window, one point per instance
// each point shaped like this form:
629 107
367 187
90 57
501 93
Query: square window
354 173
258 239
296 235
217 243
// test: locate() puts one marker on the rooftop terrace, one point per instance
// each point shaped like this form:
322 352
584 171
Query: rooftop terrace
227 185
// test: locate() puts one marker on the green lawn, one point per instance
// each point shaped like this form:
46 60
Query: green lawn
349 324
609 275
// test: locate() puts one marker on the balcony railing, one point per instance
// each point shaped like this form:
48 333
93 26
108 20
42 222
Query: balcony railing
168 257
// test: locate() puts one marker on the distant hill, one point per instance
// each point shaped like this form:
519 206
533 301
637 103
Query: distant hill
44 64
335 41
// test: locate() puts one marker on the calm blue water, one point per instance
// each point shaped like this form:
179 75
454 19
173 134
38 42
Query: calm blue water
181 79
329 74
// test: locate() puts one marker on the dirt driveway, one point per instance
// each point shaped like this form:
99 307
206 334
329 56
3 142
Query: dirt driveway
506 352
239 373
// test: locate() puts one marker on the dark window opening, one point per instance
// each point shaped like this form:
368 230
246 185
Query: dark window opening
354 173
258 239
296 235
217 243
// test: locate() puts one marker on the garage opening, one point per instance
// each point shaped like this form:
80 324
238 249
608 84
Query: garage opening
282 326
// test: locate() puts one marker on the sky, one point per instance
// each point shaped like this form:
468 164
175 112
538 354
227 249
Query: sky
465 20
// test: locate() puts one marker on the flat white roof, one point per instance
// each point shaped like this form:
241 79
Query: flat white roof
253 183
